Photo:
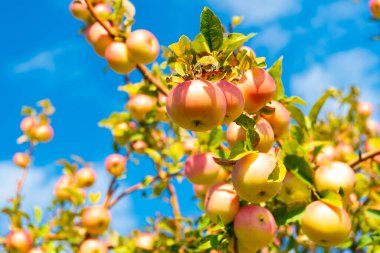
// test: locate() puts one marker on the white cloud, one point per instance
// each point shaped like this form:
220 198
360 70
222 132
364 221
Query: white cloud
357 66
42 61
274 38
257 12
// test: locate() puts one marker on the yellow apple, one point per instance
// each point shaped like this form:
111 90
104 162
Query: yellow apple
139 105
96 219
293 190
98 37
117 57
18 241
85 177
279 119
115 164
143 46
145 241
22 160
93 246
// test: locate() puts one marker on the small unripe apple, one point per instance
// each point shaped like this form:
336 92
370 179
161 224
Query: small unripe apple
234 100
222 201
258 88
293 190
79 10
18 241
61 189
117 57
373 127
325 224
250 177
326 155
374 6
93 246
255 227
99 38
115 164
279 119
139 146
43 133
22 160
139 105
96 219
145 241
85 177
103 11
197 105
250 52
335 176
143 46
28 124
364 109
36 250
201 169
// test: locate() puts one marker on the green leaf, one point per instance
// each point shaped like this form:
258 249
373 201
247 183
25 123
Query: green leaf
37 214
276 71
235 40
253 138
237 148
315 110
300 168
182 46
373 213
245 122
199 44
294 100
216 137
211 29
279 173
286 215
297 115
332 198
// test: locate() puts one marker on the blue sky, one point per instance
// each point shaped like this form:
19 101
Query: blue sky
325 43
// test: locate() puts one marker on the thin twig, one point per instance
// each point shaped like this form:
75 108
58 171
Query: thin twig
176 210
110 192
364 157
98 19
155 81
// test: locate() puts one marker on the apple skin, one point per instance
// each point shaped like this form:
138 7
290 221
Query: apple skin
139 146
115 164
201 169
93 246
344 151
36 250
200 190
145 241
118 58
18 241
143 46
85 177
372 127
326 155
250 177
335 176
28 124
235 133
98 37
79 10
43 133
374 6
64 183
196 105
22 160
222 200
234 99
190 145
325 224
293 190
279 119
139 105
364 109
255 227
96 219
258 88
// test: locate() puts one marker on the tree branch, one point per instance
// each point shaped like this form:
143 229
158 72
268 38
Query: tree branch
176 210
98 19
109 192
364 157
155 81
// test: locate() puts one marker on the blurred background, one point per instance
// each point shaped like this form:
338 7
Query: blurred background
324 43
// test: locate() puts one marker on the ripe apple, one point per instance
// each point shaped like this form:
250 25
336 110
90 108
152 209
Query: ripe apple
85 177
118 58
103 10
143 46
255 227
22 160
139 105
200 190
28 124
344 151
201 169
325 224
234 100
93 246
36 250
61 188
279 119
115 164
96 219
372 127
139 146
98 37
18 241
250 52
222 201
293 190
43 133
374 6
335 176
326 155
364 109
258 88
145 241
190 145
266 135
235 133
197 105
79 10
250 177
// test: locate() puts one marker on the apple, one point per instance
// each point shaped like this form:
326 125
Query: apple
18 241
279 119
335 176
139 105
326 155
325 224
145 241
43 133
258 88
22 160
235 133
370 145
200 190
255 227
118 58
222 201
364 109
36 250
197 105
79 10
79 197
143 46
293 190
344 151
190 145
139 146
234 100
85 177
250 52
115 164
96 219
28 124
201 169
93 246
98 37
250 177
374 6
61 188
372 127
103 10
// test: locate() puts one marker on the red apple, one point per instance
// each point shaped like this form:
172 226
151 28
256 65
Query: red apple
139 105
115 164
85 177
197 105
28 124
201 169
93 246
43 133
266 135
61 189
96 219
235 133
139 146
99 38
374 6
79 10
145 241
143 46
364 109
22 160
18 241
234 100
279 119
258 88
117 57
